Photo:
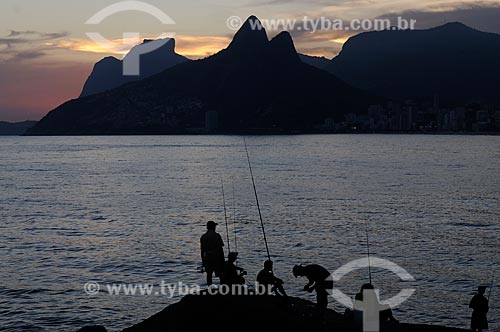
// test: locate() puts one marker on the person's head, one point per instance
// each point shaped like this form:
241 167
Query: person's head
481 290
232 257
298 270
211 225
268 265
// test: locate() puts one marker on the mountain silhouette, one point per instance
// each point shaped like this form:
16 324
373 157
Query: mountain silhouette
108 73
317 61
254 85
454 61
15 128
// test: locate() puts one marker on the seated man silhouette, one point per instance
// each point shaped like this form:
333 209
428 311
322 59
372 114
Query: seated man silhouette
480 306
368 308
267 279
233 275
318 281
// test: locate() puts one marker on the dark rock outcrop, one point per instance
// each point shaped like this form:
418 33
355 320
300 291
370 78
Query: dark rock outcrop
92 329
315 61
257 313
108 73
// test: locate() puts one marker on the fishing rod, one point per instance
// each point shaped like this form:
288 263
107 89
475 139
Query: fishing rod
234 220
489 293
368 252
491 284
257 199
225 212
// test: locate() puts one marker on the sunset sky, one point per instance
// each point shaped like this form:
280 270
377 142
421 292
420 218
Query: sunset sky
45 55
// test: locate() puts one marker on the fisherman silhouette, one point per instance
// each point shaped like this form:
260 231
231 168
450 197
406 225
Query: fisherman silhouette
479 304
212 252
367 308
267 279
233 275
317 276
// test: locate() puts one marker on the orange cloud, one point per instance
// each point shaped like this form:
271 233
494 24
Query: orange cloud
199 47
191 46
116 46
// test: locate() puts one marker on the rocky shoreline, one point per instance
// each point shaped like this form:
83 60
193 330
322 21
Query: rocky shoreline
255 313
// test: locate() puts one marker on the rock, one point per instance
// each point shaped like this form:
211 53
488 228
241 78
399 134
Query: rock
257 313
92 329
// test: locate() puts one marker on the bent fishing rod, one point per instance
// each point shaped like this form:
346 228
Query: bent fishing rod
225 212
257 199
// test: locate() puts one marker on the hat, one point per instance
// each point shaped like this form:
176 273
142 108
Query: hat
211 224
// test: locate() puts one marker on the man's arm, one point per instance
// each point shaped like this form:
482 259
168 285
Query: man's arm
310 286
220 241
472 303
202 251
277 280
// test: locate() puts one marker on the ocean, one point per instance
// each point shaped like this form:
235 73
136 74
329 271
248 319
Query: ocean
130 210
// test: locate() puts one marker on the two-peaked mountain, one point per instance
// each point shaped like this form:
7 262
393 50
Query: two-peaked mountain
456 62
254 85
108 73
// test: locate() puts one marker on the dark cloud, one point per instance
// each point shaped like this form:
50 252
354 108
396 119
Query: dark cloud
27 55
26 45
12 54
10 41
14 33
29 36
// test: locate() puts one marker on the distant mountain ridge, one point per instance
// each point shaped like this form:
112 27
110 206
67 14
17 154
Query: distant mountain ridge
254 85
15 128
454 61
317 61
108 73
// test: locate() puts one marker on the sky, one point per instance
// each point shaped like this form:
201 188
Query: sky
46 56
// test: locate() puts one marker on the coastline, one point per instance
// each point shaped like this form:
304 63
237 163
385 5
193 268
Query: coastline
271 133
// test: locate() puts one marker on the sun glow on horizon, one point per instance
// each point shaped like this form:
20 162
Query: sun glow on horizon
190 46
340 40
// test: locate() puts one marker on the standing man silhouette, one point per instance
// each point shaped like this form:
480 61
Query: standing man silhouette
212 252
479 305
